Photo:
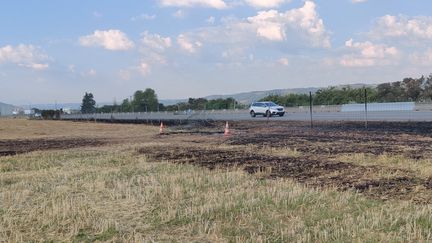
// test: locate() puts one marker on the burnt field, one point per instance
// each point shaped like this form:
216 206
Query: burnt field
340 155
321 157
265 182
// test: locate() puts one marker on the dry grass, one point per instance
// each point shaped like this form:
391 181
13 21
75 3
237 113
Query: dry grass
35 129
113 193
422 167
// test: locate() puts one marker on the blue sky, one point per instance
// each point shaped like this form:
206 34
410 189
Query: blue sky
57 50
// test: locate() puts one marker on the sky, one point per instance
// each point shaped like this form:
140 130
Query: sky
55 51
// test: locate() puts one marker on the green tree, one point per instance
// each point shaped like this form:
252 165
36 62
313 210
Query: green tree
289 100
126 106
398 91
413 88
327 96
145 100
197 104
88 103
427 93
332 96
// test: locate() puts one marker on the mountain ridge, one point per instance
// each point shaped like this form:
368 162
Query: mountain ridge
251 96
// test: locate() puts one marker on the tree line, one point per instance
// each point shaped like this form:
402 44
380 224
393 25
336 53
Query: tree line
204 104
147 101
409 89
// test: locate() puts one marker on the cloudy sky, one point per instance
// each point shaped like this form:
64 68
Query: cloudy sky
56 50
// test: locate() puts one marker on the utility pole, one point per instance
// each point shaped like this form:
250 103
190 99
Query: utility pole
366 108
310 108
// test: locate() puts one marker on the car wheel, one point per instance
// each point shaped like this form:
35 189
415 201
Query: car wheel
268 114
252 113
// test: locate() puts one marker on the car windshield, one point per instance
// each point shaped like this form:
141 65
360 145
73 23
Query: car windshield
270 104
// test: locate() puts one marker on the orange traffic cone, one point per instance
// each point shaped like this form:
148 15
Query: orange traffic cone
161 128
227 132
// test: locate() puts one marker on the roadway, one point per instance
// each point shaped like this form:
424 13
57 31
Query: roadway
243 115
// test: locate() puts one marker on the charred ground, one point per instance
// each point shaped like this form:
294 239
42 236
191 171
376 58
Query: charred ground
313 155
284 150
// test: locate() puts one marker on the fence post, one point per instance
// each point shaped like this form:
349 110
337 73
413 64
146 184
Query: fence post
310 108
366 108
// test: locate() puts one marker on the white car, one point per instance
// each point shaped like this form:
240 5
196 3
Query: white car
266 108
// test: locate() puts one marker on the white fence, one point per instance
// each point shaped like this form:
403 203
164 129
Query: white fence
405 111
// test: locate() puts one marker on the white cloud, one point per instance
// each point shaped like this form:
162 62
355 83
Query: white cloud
22 55
308 20
155 41
273 25
418 28
283 61
424 59
144 68
153 47
113 40
266 3
236 55
300 27
269 25
143 17
218 4
187 45
358 1
365 54
36 66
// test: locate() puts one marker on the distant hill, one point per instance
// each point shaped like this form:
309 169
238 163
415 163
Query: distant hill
6 109
249 97
172 101
246 97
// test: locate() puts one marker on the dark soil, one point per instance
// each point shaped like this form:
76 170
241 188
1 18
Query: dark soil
328 141
13 147
317 164
313 172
